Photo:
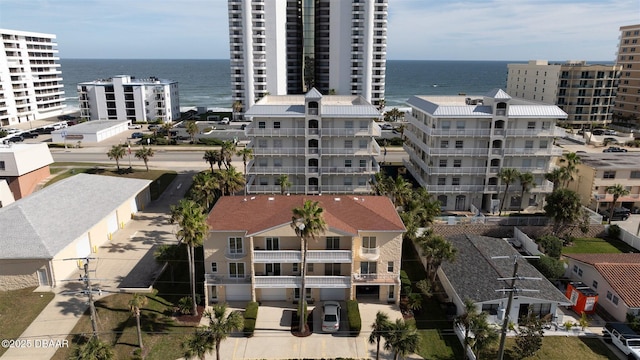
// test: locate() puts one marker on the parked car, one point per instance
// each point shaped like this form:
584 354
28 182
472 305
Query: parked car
137 135
623 338
30 134
154 127
17 138
619 214
610 140
614 149
135 126
610 132
330 316
597 132
224 121
386 126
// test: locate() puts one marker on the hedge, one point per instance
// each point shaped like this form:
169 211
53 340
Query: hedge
250 316
353 318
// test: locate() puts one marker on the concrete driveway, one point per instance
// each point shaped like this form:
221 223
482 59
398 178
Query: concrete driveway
273 338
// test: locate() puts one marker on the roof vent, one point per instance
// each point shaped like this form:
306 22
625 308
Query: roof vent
253 198
355 198
271 198
336 199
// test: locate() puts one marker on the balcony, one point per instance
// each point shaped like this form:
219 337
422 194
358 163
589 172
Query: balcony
329 256
456 170
373 149
528 152
376 278
251 131
459 151
277 256
454 188
371 254
274 189
345 189
374 131
536 132
343 282
211 279
278 151
289 282
275 170
336 170
234 255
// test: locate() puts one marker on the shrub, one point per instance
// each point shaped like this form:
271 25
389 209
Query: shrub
614 231
549 267
353 317
405 283
250 316
210 141
552 246
396 141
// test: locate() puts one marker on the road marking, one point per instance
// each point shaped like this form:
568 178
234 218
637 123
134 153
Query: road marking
179 186
133 235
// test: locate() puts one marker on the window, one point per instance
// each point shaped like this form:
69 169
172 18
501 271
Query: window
442 181
594 284
362 144
277 162
294 268
348 124
609 175
491 309
363 163
460 125
296 292
2 166
236 270
214 267
369 242
277 143
528 144
392 292
544 144
390 266
531 125
333 242
615 300
575 269
276 125
309 267
261 125
609 295
262 143
459 144
443 162
348 144
347 163
235 245
634 174
446 125
347 181
457 163
580 272
368 267
444 144
262 162
455 181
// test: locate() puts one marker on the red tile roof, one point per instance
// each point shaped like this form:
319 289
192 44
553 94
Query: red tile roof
621 271
258 213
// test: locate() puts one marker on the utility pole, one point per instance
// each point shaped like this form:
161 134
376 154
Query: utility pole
92 307
512 289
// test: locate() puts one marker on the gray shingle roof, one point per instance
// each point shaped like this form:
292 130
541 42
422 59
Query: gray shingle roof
45 222
474 273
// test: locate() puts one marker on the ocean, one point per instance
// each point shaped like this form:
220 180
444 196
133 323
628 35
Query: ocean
206 82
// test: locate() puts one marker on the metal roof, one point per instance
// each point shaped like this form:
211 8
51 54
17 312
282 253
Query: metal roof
92 126
368 111
275 110
498 94
40 225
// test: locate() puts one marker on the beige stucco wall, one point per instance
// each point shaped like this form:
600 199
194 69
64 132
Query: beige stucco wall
20 273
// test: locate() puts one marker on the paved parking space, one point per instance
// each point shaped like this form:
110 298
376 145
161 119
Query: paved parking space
273 338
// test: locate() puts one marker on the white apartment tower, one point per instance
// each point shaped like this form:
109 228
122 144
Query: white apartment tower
124 97
30 77
586 92
458 145
627 108
324 144
282 47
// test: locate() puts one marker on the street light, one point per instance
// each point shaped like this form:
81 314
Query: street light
303 293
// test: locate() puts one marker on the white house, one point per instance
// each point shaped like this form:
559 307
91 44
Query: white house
90 132
69 219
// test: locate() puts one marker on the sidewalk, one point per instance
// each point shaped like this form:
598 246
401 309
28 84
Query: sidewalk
127 262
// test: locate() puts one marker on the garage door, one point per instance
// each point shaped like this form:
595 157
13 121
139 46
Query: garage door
134 206
273 294
83 248
112 223
332 294
238 292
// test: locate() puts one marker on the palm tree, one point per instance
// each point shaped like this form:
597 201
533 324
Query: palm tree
94 349
205 188
227 150
555 176
403 339
136 302
380 183
400 190
436 249
230 180
168 254
167 128
527 181
508 176
199 344
222 324
466 320
484 334
283 181
145 153
393 115
572 160
191 219
192 130
247 154
117 152
380 328
213 157
308 223
237 107
617 190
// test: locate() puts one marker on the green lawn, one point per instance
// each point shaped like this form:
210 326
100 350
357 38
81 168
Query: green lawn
160 178
14 322
597 246
561 347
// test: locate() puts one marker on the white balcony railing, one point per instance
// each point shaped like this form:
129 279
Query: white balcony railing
251 131
277 281
343 282
526 152
457 170
376 278
222 279
277 256
235 255
551 132
329 256
454 188
270 170
277 151
369 253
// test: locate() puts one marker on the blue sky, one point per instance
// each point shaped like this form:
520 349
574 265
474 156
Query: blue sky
417 29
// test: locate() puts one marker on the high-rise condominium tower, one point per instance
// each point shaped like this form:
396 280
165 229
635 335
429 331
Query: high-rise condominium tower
30 77
627 107
282 47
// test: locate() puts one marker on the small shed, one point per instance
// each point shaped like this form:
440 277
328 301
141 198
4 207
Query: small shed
583 298
93 131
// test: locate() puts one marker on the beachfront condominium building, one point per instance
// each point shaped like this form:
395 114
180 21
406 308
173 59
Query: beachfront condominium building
282 47
457 146
124 97
30 77
324 144
627 108
253 253
586 92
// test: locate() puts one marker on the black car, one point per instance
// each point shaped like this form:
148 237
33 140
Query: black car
597 132
17 138
614 149
618 214
137 135
29 135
